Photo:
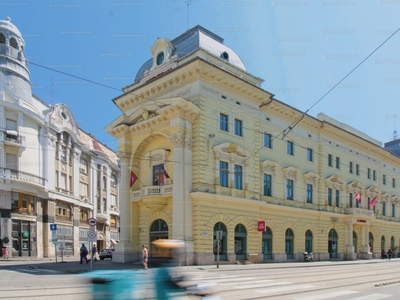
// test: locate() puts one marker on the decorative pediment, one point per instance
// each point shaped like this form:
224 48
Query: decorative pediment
311 177
291 172
373 189
270 166
355 185
230 148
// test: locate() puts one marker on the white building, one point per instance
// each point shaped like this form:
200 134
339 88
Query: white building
51 172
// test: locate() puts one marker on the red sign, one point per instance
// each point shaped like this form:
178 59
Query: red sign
362 221
92 221
262 226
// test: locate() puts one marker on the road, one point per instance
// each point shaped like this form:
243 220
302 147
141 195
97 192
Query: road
295 281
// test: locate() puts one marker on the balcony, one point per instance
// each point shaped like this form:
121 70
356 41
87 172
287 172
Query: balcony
23 211
358 211
63 218
8 174
154 197
11 137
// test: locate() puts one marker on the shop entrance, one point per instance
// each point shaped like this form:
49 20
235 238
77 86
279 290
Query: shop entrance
333 244
23 238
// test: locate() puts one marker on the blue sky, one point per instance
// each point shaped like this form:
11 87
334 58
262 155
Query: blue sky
300 48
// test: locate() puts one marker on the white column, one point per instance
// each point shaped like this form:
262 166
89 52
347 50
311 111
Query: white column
188 183
123 250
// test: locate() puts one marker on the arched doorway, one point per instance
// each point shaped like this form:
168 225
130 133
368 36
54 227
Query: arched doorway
267 244
289 241
371 242
355 242
333 244
158 230
240 242
223 242
309 242
383 243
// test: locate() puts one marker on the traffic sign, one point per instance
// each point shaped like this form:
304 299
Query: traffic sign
92 236
53 236
53 227
92 221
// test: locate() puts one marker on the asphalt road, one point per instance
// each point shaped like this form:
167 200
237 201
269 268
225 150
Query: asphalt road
353 280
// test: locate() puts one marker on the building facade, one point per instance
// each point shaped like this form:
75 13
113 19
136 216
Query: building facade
51 171
215 154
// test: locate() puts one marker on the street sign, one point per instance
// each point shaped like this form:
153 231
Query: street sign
92 228
92 221
92 236
53 227
53 236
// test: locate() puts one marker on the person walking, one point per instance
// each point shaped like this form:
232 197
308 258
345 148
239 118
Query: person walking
5 252
94 251
389 253
145 256
83 254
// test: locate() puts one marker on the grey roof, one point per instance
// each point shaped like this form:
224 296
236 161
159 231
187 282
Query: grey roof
192 40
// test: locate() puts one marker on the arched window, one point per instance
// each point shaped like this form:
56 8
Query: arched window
392 243
240 242
13 43
2 38
267 243
371 242
383 243
309 241
104 183
333 244
158 230
289 242
221 232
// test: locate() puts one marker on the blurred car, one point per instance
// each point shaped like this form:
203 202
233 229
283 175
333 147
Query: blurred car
106 253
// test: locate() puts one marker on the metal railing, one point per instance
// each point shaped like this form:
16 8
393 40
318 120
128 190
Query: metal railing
6 136
153 190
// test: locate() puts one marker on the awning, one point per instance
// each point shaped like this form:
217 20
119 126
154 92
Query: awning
113 241
12 132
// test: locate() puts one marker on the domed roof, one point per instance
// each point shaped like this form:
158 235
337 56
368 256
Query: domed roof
7 25
194 39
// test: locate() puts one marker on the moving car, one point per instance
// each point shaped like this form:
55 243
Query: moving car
106 253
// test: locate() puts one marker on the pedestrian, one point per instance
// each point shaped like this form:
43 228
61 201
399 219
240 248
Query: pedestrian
389 253
94 251
83 254
5 252
145 256
383 254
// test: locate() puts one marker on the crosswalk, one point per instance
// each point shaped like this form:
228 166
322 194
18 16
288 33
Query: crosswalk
227 283
36 270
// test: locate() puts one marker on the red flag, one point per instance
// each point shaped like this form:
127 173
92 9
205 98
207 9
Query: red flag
373 202
165 173
358 197
132 179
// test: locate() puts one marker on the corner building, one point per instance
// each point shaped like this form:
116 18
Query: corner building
51 171
195 112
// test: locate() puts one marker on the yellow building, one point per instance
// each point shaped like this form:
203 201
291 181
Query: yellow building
214 153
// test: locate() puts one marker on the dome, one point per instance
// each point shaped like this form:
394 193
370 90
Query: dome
193 40
6 25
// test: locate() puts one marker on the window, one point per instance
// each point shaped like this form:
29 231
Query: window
369 173
83 166
338 163
369 201
337 198
113 180
357 169
223 122
267 140
330 160
158 175
350 199
384 179
83 189
393 210
11 161
309 193
289 189
310 154
384 208
238 127
267 185
394 182
289 148
329 196
63 154
223 174
374 175
351 167
104 204
104 183
238 177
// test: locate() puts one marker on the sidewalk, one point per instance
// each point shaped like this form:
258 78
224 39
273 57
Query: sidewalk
70 265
